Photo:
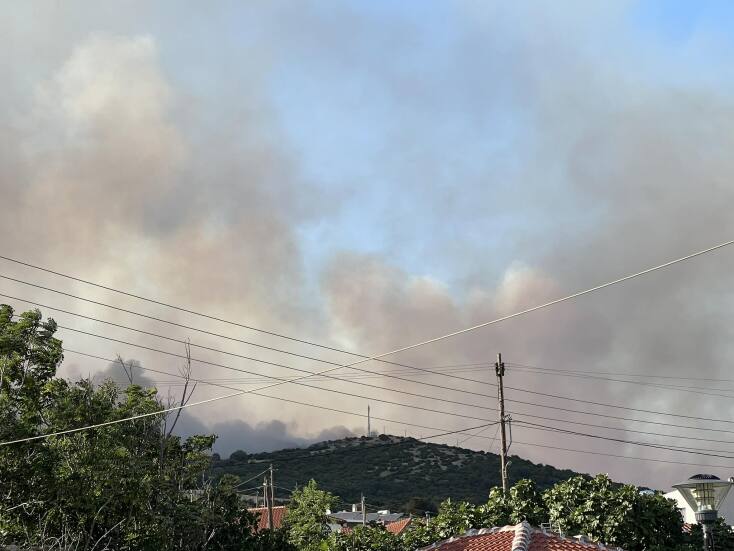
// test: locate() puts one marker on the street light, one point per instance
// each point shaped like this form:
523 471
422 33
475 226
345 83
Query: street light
705 493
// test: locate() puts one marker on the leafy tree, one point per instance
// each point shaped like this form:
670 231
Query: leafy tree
306 520
614 514
723 538
420 534
128 486
523 502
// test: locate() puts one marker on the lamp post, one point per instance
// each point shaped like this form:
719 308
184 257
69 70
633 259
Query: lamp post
705 493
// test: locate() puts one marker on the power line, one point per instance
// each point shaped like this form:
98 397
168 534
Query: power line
295 380
242 356
622 373
623 429
480 432
442 387
279 398
132 418
298 380
563 373
168 410
188 327
626 408
622 456
416 345
553 302
670 446
179 308
331 409
546 428
619 418
503 318
250 479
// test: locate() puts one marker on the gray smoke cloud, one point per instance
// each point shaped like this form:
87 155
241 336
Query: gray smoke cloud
522 159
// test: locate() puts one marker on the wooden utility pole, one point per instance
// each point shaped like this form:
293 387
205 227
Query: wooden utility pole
271 498
364 512
499 368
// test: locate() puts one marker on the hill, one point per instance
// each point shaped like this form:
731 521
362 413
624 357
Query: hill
390 470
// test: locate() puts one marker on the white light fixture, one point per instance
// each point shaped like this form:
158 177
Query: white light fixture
705 493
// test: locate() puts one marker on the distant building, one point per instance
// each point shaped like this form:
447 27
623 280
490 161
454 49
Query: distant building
344 521
521 537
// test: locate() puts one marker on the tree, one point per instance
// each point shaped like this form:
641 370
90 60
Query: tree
522 502
306 520
614 514
129 486
723 538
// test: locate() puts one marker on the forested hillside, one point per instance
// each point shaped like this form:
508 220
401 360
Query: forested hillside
389 470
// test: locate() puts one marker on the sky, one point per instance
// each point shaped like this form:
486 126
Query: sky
368 175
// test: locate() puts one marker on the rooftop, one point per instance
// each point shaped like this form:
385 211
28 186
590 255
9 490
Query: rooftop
355 517
521 537
278 516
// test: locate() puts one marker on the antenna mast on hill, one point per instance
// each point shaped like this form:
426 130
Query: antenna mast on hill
369 429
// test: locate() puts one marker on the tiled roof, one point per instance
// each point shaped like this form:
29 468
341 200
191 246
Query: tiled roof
278 516
521 537
398 526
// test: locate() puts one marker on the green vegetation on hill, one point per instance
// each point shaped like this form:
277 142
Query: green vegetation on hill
389 470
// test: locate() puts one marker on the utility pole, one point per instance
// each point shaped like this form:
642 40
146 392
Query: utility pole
499 369
271 498
266 499
364 512
369 429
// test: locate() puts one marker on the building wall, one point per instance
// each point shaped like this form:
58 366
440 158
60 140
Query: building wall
689 516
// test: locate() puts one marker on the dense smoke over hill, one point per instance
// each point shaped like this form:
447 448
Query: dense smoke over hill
510 160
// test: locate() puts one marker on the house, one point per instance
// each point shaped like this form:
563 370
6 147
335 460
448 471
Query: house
354 517
521 537
279 513
344 521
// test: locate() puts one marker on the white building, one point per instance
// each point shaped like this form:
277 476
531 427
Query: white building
726 511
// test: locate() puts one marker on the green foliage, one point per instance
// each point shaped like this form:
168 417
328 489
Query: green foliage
523 502
126 486
306 520
613 514
391 470
723 538
367 538
607 512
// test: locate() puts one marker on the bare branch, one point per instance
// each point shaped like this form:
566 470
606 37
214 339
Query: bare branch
128 369
185 371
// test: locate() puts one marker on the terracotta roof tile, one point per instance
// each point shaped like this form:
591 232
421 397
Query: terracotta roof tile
398 526
278 516
498 541
521 537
